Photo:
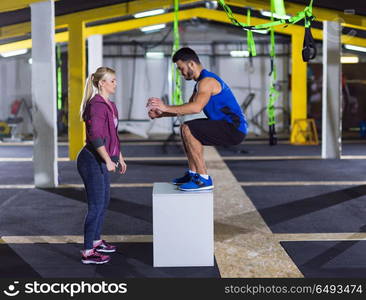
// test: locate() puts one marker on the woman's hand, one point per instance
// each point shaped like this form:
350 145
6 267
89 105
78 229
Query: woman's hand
123 168
111 166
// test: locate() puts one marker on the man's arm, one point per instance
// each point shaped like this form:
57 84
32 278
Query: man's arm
166 114
192 97
155 113
196 103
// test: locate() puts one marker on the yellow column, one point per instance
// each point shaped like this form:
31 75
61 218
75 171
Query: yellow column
298 79
77 75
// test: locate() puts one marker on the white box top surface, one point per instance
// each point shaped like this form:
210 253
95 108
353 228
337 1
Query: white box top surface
166 188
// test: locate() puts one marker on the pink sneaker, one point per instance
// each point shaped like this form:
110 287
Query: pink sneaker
105 247
95 258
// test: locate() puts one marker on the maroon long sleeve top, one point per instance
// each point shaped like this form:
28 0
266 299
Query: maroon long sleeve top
101 129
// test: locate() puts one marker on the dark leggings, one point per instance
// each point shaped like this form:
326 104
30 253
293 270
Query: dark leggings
96 180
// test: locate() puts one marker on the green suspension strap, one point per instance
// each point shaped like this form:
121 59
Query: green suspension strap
278 7
250 40
176 80
273 93
306 14
308 52
59 77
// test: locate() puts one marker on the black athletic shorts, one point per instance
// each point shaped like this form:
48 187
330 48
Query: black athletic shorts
215 132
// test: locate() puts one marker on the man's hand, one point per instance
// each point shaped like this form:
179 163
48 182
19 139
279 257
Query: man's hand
156 104
155 113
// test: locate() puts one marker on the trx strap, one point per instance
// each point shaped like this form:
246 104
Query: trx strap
308 52
59 78
250 40
309 48
273 93
176 80
307 14
279 7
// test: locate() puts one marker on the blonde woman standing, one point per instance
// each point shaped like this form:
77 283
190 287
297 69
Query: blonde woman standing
100 155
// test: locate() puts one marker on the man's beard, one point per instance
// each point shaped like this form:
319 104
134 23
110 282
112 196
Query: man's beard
189 74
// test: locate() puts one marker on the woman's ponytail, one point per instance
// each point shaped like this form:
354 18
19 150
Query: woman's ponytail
88 94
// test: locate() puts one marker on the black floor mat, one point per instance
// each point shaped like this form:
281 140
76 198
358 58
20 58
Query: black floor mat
62 212
298 170
133 260
311 209
329 259
246 149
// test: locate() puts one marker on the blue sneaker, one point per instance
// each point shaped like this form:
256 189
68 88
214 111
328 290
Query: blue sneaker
198 183
184 179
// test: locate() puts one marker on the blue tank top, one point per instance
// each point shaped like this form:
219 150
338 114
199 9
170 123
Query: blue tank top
223 106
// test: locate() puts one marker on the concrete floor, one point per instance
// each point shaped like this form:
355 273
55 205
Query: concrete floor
279 212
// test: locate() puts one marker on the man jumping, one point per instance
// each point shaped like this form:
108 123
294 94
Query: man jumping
225 125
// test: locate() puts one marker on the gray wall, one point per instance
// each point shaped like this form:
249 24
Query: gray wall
15 83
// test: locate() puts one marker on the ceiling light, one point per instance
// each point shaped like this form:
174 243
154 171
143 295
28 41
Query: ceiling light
349 59
236 53
149 13
155 54
211 4
355 48
152 28
276 16
261 31
14 53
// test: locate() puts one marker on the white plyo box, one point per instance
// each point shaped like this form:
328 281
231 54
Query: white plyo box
182 227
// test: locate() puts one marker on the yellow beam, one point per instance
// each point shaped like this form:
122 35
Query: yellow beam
92 15
19 30
138 23
16 4
298 81
213 15
77 75
16 30
27 44
321 14
118 10
129 8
